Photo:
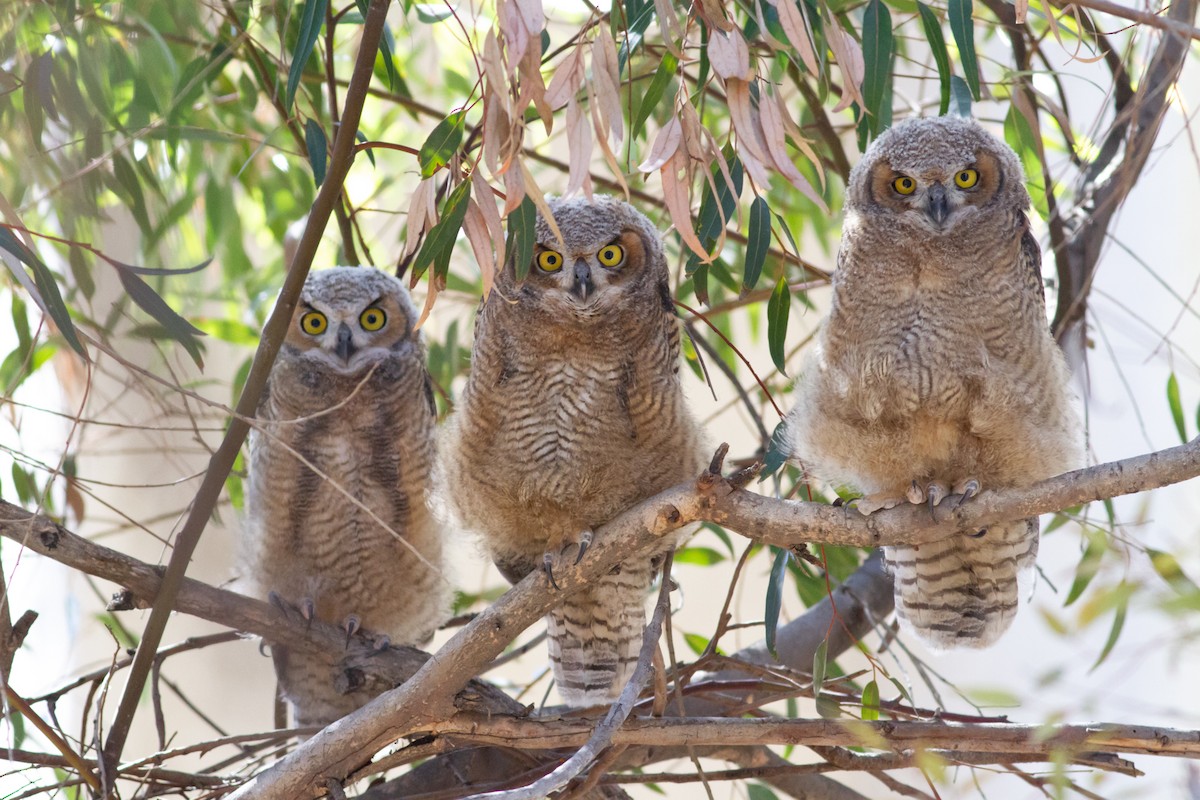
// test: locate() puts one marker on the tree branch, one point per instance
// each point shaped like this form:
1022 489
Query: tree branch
895 736
425 699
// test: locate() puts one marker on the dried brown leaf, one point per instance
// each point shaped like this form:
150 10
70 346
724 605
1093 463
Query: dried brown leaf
422 214
850 62
568 77
579 140
794 20
664 147
675 196
436 285
485 199
534 193
607 82
729 56
480 240
775 136
514 188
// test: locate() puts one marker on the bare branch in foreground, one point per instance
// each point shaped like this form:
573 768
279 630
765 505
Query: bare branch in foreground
894 736
616 716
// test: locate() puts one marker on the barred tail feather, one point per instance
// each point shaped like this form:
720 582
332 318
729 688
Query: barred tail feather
963 591
595 635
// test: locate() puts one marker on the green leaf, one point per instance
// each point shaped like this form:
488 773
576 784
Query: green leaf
1089 565
1115 632
638 16
704 556
937 45
433 13
775 596
149 301
818 670
442 144
778 451
827 707
758 239
439 243
1176 407
387 46
696 642
318 149
47 287
521 235
1167 566
964 36
777 319
870 701
960 97
756 791
654 92
877 53
311 21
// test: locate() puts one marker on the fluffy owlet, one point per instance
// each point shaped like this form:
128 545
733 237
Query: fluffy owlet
935 372
340 462
573 412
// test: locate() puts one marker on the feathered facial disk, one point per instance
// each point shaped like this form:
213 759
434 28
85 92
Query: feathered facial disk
610 255
935 173
348 318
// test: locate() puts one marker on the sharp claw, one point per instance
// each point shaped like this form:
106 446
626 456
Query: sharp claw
382 642
274 599
548 568
969 490
979 533
351 625
585 541
915 494
308 610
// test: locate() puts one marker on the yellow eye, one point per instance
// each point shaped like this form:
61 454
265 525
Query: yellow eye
611 256
372 319
966 178
314 323
904 185
549 261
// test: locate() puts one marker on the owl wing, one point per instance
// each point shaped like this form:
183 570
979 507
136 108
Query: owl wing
1030 258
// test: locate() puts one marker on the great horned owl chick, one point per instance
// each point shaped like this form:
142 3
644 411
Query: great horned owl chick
573 412
935 372
340 464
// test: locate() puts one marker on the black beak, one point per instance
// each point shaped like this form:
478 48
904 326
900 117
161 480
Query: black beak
345 343
936 206
583 286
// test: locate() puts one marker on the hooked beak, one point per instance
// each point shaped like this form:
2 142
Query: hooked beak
582 286
936 206
345 343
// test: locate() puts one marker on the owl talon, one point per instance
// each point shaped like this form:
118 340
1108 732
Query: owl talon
351 625
915 494
548 568
965 491
382 642
585 541
308 610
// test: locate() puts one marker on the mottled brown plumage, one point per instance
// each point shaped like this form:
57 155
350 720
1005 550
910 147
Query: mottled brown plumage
573 412
337 521
936 371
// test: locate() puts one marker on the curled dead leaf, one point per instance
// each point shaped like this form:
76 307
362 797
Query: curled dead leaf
664 146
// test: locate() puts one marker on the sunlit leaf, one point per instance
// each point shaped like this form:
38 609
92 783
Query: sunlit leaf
758 240
654 92
870 701
1167 566
432 13
441 145
1176 407
439 243
963 29
778 308
775 596
703 556
311 20
937 45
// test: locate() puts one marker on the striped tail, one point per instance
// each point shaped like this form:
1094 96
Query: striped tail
962 591
595 635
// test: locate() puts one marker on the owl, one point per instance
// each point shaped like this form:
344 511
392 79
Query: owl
340 466
935 372
572 413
